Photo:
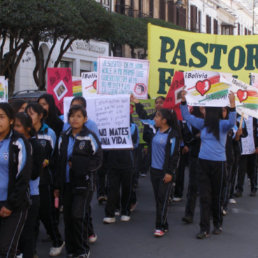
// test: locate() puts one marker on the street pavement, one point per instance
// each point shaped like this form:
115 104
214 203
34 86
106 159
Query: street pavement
135 239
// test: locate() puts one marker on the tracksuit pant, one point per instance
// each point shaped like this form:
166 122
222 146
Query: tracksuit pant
27 240
47 214
193 186
10 231
247 165
161 193
77 218
119 178
180 175
211 182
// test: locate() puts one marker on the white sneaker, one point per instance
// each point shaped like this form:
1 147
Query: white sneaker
125 218
93 238
177 199
55 251
224 212
109 220
232 201
19 255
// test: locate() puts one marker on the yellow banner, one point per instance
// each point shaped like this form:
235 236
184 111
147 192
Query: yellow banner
173 50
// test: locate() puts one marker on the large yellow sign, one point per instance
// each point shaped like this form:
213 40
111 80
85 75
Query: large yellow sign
173 50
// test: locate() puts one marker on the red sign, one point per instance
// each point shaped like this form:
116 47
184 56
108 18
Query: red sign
173 98
59 84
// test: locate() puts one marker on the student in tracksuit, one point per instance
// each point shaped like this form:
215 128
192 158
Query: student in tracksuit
120 175
23 125
165 146
193 182
15 172
212 160
100 177
47 214
80 156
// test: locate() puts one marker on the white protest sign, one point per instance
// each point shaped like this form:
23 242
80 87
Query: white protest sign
111 113
254 79
205 88
89 83
123 76
3 89
246 98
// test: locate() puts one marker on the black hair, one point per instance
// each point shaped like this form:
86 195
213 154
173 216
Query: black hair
80 99
76 108
26 122
227 109
53 111
8 110
17 104
211 120
160 97
36 107
196 112
171 117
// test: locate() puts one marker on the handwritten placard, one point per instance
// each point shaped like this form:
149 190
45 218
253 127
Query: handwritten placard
89 83
205 88
111 113
123 76
254 79
246 98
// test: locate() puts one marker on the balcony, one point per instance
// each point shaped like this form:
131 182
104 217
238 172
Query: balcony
129 11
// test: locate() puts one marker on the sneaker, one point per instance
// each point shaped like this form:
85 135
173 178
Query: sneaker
238 194
232 201
133 207
125 218
224 212
177 199
159 233
109 220
187 219
55 251
69 256
19 255
83 255
217 231
93 238
143 175
202 235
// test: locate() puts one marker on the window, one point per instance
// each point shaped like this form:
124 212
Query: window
162 9
66 64
151 9
208 24
215 26
193 13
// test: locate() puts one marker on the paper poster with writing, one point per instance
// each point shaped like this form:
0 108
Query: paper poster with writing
89 83
246 98
173 98
59 84
118 75
3 89
111 113
254 79
204 88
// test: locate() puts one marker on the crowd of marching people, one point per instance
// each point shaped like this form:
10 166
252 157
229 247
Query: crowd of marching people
48 166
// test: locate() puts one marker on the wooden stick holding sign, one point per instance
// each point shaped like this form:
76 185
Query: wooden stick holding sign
241 121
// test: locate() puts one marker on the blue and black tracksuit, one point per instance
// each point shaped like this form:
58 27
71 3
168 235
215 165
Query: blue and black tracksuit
120 175
79 158
47 214
27 240
15 173
164 152
212 159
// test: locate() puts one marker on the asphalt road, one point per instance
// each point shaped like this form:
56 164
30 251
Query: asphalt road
135 239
